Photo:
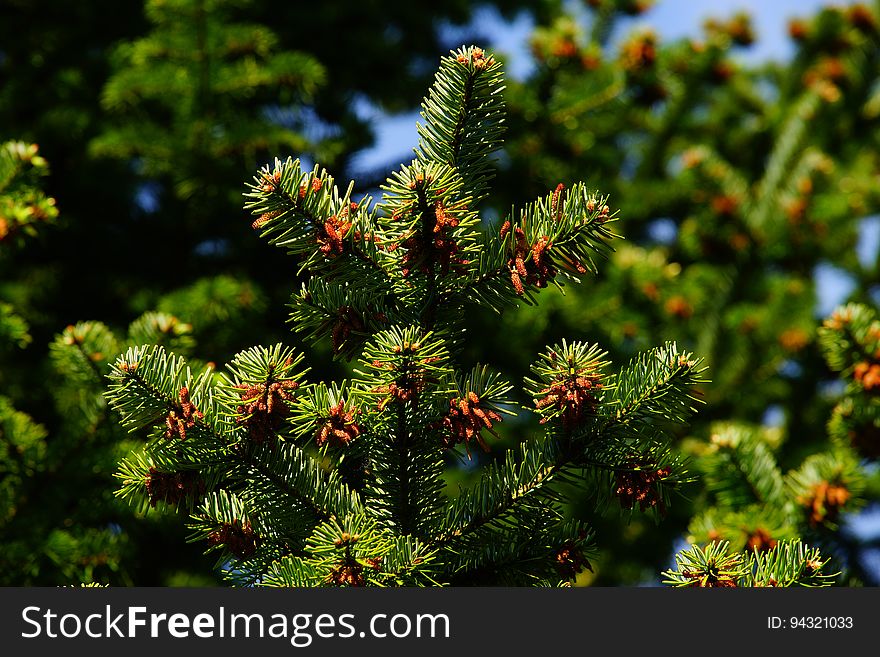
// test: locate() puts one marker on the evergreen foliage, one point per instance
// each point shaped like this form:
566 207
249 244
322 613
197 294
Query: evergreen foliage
50 533
145 165
849 340
24 209
726 232
753 506
194 86
788 563
303 483
744 214
738 184
23 205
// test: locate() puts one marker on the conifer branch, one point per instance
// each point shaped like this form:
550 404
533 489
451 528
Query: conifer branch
326 484
464 113
790 563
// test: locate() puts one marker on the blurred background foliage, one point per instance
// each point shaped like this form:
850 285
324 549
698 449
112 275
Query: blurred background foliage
740 185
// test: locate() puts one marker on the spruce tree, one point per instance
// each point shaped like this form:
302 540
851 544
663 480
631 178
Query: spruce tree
190 101
62 523
50 536
737 182
588 113
24 208
305 483
751 531
80 79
